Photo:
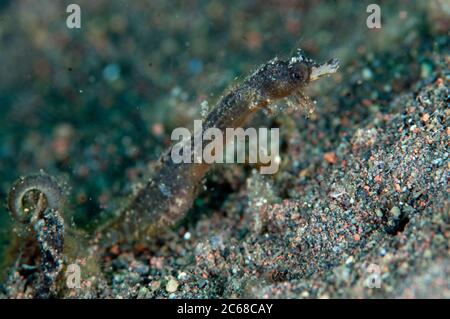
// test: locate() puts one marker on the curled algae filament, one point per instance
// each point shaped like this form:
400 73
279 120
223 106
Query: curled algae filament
170 192
50 195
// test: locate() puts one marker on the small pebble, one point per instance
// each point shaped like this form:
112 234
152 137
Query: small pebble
330 157
395 212
172 285
182 276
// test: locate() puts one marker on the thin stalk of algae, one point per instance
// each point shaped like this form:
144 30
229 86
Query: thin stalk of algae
170 192
36 203
46 223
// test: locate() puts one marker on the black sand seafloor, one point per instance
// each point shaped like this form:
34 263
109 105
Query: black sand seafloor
359 208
